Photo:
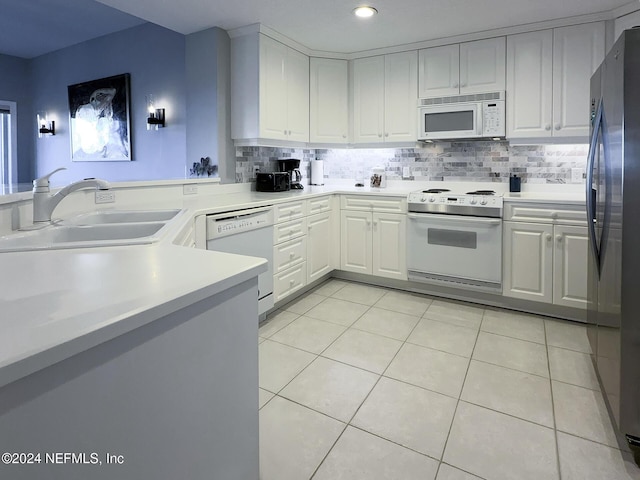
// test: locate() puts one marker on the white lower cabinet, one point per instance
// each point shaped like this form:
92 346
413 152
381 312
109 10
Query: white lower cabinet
545 263
374 243
319 243
289 281
570 265
528 261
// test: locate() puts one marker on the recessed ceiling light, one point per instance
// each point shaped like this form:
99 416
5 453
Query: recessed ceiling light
365 11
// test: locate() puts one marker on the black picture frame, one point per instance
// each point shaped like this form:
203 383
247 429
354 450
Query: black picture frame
100 120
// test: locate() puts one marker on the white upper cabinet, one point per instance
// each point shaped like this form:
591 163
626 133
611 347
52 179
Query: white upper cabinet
439 71
548 81
269 90
529 64
483 66
577 52
460 69
329 101
385 98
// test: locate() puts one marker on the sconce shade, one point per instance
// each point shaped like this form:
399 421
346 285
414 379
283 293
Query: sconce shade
156 119
45 127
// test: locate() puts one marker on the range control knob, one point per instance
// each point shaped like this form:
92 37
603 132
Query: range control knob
432 198
472 201
423 199
483 201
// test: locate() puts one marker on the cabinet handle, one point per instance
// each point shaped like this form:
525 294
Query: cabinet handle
558 126
559 238
292 282
547 127
549 237
554 215
344 136
380 135
291 254
285 132
455 85
386 134
463 85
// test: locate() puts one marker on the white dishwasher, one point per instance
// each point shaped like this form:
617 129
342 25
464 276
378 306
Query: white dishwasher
246 232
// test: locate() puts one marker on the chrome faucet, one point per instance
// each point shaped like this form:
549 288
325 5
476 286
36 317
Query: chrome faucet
44 203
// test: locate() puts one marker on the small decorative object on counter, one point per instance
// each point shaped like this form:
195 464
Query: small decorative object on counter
205 167
514 183
378 178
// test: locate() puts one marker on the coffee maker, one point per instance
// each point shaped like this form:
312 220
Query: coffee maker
292 166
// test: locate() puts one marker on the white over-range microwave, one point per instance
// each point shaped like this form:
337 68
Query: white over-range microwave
463 116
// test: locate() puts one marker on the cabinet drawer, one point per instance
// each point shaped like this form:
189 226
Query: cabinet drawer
377 203
289 211
289 281
288 254
289 230
318 205
546 213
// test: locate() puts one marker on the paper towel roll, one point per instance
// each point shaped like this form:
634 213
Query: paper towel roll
317 172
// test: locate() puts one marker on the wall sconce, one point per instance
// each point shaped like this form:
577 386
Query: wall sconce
155 119
45 127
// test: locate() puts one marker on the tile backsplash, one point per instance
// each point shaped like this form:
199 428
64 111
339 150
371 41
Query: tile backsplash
451 161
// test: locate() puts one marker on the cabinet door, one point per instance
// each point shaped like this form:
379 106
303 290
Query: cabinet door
439 71
483 66
389 245
570 266
400 97
528 261
368 100
297 72
273 89
356 241
577 52
328 98
319 246
529 84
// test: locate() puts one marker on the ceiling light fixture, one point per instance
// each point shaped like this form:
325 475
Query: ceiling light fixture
365 11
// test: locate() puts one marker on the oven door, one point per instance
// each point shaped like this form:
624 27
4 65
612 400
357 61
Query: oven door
460 120
454 248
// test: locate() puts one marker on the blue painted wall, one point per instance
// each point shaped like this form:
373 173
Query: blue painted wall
155 58
15 86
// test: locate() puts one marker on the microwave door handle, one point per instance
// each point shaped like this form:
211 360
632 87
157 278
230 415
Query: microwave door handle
479 126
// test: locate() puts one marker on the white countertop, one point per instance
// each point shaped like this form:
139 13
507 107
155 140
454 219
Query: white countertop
56 304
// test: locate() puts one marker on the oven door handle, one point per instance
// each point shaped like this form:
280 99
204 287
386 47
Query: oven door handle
456 218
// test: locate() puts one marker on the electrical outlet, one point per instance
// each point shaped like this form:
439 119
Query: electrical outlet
189 189
406 172
576 175
256 169
105 196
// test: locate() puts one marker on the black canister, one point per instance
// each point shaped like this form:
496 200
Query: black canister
514 183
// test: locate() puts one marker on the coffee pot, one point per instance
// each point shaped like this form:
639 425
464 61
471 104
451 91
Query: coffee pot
292 165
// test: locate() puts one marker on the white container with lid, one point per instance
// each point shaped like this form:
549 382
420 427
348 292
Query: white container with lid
378 178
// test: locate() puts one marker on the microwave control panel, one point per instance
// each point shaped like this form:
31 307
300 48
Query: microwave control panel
493 116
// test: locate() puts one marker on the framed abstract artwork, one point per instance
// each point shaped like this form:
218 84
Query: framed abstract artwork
100 123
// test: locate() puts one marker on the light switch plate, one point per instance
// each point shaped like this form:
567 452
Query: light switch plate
406 172
105 196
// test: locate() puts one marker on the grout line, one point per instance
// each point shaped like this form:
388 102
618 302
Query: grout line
553 405
455 411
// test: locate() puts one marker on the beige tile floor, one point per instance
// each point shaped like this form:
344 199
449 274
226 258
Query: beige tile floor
361 382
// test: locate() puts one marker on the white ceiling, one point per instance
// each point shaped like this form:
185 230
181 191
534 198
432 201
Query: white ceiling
29 28
330 26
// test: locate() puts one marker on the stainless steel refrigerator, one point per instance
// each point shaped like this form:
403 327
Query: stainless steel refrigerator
613 210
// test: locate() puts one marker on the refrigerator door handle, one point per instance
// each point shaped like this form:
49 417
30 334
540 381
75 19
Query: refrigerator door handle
591 192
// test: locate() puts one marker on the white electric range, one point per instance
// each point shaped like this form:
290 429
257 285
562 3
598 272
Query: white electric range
455 238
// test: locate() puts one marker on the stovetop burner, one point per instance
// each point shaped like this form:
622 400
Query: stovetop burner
482 192
436 190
